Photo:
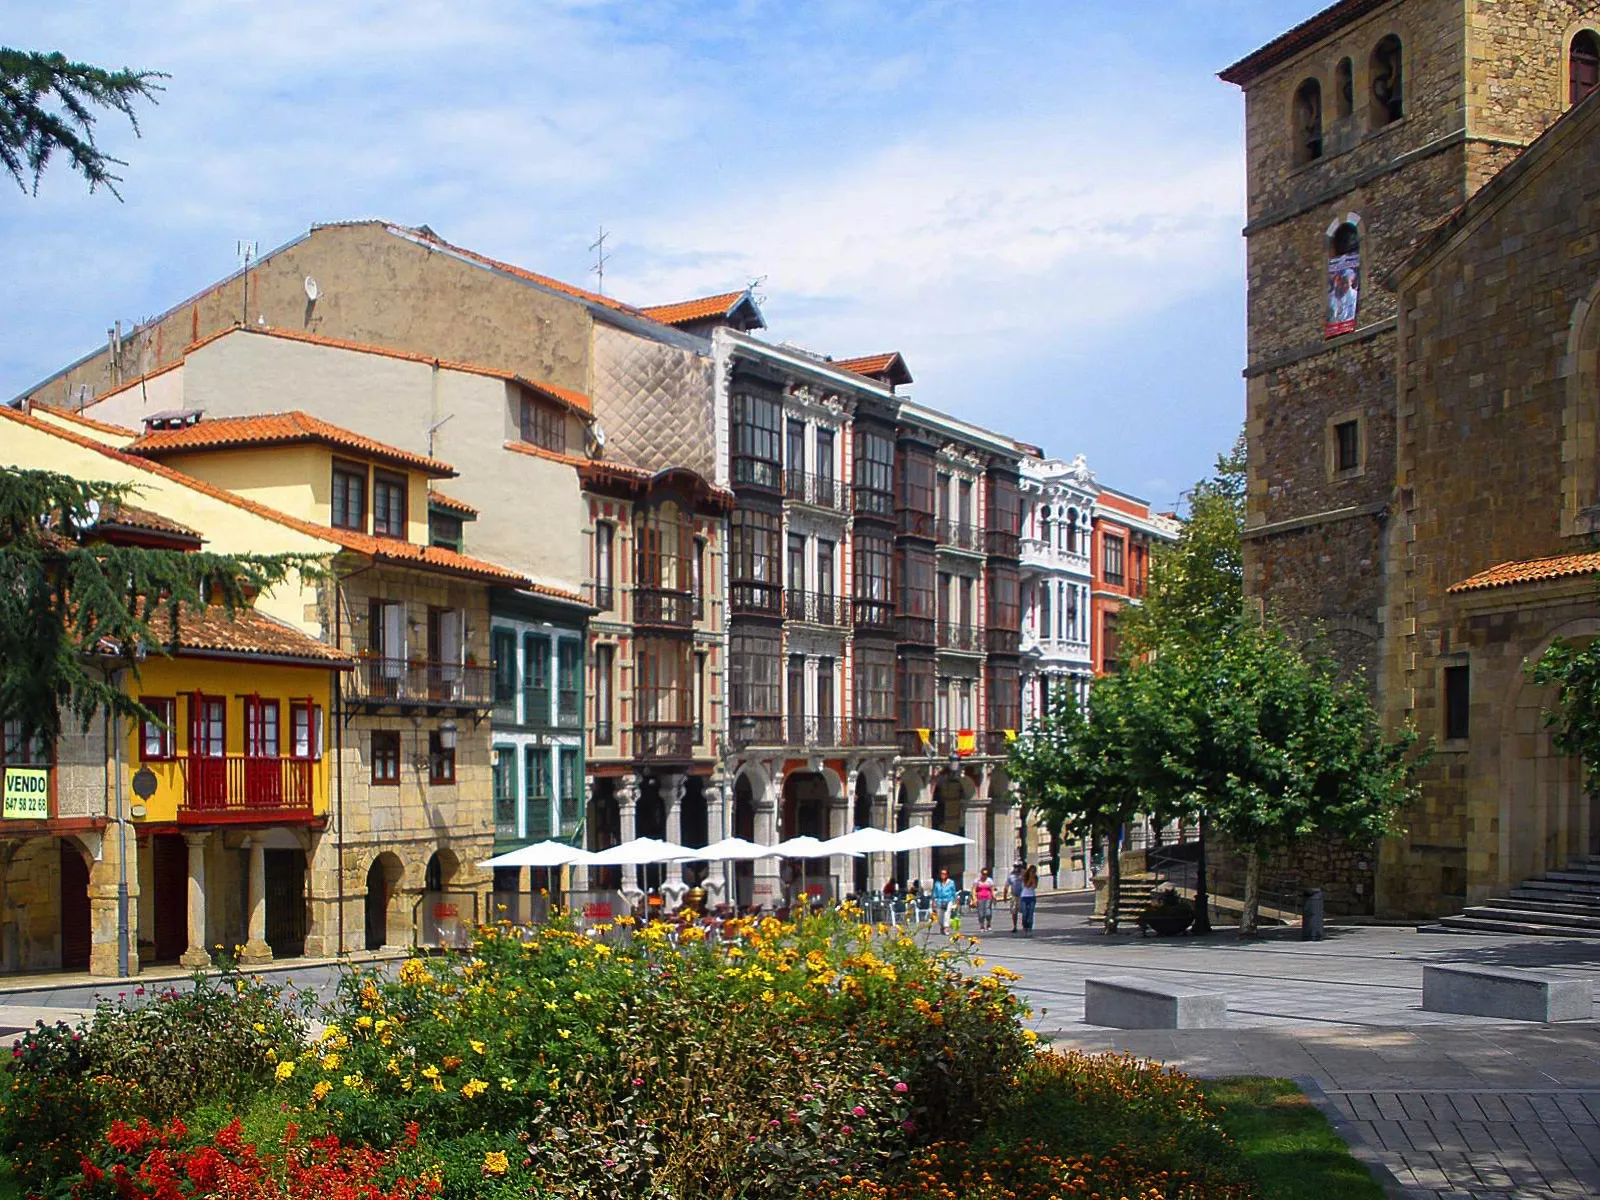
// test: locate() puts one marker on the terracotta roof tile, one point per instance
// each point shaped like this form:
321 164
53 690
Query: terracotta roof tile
382 549
278 429
870 365
1533 570
246 632
532 451
685 311
450 504
127 516
67 414
545 589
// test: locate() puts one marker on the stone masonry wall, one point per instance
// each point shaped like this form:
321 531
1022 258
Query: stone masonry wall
1342 869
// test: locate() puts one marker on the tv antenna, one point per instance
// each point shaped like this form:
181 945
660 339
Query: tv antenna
248 252
601 258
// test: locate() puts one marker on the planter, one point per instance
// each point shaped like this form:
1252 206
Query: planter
1165 924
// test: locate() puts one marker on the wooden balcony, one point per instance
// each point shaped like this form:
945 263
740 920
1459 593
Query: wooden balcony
663 608
244 787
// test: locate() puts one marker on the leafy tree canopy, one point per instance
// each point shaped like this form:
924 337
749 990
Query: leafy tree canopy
72 609
1574 671
47 104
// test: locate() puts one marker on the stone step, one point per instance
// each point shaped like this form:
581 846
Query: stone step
1540 902
1589 877
1556 887
1465 924
1542 916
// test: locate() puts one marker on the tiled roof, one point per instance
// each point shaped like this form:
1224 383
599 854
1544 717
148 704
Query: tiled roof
528 448
685 311
382 549
450 504
1308 33
555 593
878 364
247 632
67 414
126 516
278 429
427 235
1534 570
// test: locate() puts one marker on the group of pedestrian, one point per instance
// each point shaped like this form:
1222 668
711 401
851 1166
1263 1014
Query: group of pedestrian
1020 892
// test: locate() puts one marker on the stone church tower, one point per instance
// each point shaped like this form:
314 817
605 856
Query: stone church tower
1367 126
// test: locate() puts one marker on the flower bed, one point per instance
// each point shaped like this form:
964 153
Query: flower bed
820 1056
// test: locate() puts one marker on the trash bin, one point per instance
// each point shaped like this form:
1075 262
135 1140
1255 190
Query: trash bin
1311 916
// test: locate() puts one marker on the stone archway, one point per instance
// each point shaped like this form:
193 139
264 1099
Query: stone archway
950 794
383 890
744 826
76 932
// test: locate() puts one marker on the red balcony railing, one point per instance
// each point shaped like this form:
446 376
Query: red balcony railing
241 783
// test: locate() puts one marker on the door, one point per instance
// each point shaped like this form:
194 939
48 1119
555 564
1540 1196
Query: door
169 861
286 903
377 906
208 743
263 775
75 936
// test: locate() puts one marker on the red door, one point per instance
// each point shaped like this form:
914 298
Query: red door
75 936
169 860
208 763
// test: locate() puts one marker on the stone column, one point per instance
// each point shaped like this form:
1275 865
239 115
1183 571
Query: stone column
768 888
628 820
841 820
198 954
672 789
975 823
881 869
922 814
256 950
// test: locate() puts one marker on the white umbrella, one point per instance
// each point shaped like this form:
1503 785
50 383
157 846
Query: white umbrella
863 841
642 852
921 837
735 849
540 854
806 846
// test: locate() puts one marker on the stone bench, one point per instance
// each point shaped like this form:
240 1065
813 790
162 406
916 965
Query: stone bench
1128 1002
1504 992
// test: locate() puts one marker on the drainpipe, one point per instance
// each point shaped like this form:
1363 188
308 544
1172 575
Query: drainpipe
338 741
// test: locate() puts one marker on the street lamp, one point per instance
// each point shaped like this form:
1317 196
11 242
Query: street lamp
447 735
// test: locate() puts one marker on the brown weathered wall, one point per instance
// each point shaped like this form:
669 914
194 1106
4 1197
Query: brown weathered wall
1343 870
376 288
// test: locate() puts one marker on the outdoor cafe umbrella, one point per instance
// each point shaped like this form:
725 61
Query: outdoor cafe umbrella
541 854
735 849
643 852
806 846
921 837
866 840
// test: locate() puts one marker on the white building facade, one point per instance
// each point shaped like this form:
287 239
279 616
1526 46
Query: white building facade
1059 500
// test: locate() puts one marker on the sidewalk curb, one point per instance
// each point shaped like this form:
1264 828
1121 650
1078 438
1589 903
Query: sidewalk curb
1369 1155
167 975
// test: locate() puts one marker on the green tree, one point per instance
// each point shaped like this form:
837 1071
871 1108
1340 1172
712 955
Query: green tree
1271 746
47 104
1081 768
1574 671
74 609
1196 586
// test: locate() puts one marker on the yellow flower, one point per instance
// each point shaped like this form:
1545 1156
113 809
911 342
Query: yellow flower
767 997
330 1062
285 1069
474 1088
259 1027
565 1033
507 1083
321 1090
477 1047
430 1072
495 1162
1029 1036
354 1081
414 972
363 1022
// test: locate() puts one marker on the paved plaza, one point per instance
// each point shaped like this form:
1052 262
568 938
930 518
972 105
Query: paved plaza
1442 1106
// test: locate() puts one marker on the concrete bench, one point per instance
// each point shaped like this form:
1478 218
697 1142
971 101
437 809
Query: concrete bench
1504 992
1128 1002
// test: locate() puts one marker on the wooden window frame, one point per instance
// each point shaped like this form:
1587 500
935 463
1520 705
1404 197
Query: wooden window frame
543 424
381 527
390 740
166 739
441 762
314 729
351 471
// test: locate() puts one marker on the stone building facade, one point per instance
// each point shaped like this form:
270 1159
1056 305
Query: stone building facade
1367 126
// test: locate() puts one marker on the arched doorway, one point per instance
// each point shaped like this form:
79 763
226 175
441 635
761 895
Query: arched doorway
948 794
861 816
902 860
383 882
651 823
805 814
694 821
76 937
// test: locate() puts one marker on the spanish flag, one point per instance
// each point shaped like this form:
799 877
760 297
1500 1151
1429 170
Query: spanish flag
966 741
1011 734
925 736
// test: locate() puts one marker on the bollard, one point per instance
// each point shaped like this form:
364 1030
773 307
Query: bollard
1311 916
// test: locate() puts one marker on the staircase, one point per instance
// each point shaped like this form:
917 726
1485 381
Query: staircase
1560 904
1134 896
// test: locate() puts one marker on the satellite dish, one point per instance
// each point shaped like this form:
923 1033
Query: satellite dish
92 508
599 436
312 290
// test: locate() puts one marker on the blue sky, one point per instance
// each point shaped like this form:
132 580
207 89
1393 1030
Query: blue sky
1038 203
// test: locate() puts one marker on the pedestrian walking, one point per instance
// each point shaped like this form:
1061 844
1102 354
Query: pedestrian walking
983 892
1030 897
1014 892
944 898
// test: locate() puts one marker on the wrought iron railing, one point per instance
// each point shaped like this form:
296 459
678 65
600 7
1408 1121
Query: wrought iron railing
819 608
414 681
873 614
664 740
668 607
918 630
813 731
820 491
960 535
243 783
1002 641
751 730
1002 543
872 731
913 522
954 636
748 598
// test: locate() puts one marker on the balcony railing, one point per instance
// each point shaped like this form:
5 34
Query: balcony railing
664 740
605 596
872 731
1002 641
819 608
960 535
918 630
819 491
915 523
399 681
813 731
756 599
873 615
663 607
603 732
967 638
995 742
1002 543
942 743
238 783
756 731
869 502
757 473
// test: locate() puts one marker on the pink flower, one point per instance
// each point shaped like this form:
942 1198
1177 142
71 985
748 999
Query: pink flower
858 1111
908 1126
638 1083
901 1088
846 1130
774 1123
